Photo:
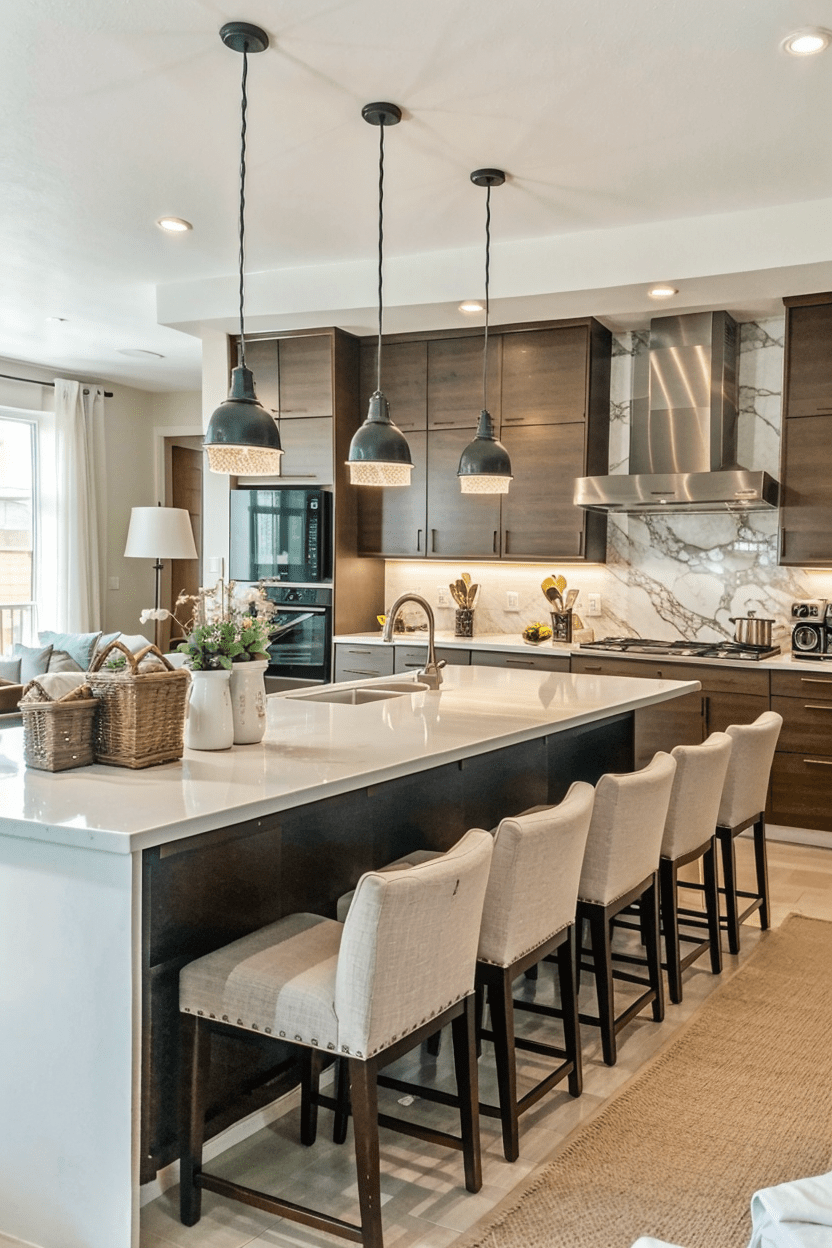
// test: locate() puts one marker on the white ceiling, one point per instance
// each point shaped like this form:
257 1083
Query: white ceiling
653 139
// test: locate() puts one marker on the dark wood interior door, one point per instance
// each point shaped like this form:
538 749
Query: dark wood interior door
459 525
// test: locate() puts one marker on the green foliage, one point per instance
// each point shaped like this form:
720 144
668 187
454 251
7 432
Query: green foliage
212 646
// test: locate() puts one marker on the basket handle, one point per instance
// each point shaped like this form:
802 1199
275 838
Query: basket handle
133 659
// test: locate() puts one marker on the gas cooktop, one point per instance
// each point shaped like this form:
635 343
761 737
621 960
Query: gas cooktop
682 649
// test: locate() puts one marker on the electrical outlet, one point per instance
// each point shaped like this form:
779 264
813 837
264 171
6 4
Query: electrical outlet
593 604
443 596
512 602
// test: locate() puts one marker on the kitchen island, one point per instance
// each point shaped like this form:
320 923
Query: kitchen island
111 880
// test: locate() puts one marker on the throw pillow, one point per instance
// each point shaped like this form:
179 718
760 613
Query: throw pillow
60 661
79 646
135 642
33 662
10 670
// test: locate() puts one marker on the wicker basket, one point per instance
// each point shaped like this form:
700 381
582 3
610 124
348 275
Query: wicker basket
142 714
58 735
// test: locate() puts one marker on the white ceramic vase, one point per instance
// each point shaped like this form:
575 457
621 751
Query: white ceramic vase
210 723
248 701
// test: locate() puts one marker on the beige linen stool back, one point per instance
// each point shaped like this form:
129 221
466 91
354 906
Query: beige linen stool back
689 835
368 991
743 806
621 866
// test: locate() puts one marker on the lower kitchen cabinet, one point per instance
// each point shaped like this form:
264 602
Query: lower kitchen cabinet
536 662
355 661
728 696
408 658
801 778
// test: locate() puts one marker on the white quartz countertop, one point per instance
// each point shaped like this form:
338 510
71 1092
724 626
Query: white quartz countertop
513 642
311 750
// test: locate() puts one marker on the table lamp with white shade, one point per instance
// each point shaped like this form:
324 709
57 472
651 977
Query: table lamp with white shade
160 533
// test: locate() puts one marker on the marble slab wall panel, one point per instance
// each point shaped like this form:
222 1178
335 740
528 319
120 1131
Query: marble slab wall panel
666 577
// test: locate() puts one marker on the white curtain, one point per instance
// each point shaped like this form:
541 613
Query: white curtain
80 505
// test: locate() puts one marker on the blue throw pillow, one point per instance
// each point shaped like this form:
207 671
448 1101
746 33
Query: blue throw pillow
33 662
10 670
79 646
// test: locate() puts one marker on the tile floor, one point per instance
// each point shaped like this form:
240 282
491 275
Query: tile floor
425 1202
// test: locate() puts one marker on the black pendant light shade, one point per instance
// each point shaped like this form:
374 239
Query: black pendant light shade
379 454
484 466
242 437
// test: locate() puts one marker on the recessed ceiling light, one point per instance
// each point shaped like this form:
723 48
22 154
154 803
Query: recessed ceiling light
174 225
56 318
807 42
137 353
662 292
471 305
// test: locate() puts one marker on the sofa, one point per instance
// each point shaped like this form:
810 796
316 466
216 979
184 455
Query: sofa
55 652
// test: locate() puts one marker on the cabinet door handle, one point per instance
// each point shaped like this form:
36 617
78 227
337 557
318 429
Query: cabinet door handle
436 423
359 671
581 543
494 542
433 541
592 667
782 542
706 713
818 762
418 539
359 651
519 663
807 706
814 680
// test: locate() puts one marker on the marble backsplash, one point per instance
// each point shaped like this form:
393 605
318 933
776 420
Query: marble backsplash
666 577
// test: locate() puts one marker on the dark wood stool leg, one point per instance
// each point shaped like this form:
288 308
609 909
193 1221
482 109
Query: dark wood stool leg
601 942
342 1096
729 875
569 1005
463 1030
761 860
502 1027
311 1061
364 1096
710 873
669 906
196 1058
650 909
433 1044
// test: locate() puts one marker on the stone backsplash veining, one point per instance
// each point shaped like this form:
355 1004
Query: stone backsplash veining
666 577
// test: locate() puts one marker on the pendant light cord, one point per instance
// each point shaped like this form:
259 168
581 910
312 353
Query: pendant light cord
380 246
244 105
487 273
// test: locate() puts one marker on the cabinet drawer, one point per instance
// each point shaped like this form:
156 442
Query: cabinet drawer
813 683
539 662
801 791
355 662
712 678
807 725
410 657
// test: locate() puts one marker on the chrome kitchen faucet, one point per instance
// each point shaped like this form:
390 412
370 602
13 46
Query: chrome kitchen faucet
431 674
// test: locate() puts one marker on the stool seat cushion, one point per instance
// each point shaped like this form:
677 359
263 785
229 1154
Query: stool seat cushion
279 980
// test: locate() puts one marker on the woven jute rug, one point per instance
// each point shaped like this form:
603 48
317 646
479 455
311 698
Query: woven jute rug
740 1100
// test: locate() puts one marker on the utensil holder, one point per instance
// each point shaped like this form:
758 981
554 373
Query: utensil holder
464 622
561 625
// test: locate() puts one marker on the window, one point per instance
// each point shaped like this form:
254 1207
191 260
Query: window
26 516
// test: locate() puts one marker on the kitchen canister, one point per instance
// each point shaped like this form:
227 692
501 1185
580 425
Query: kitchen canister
248 701
464 622
210 722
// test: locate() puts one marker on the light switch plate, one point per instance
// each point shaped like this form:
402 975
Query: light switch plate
443 597
112 583
512 601
593 604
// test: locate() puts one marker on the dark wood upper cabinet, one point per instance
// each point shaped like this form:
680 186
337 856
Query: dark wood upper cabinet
261 358
545 376
806 443
404 381
459 525
305 366
393 521
455 376
539 518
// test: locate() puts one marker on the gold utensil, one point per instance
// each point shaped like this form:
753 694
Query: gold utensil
550 589
466 578
455 594
560 581
473 591
462 590
571 599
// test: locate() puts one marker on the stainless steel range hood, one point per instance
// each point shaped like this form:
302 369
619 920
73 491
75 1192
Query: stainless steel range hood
683 438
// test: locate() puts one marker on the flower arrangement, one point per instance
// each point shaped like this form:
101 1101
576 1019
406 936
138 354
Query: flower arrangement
536 632
226 625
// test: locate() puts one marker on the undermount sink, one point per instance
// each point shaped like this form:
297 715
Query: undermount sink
362 694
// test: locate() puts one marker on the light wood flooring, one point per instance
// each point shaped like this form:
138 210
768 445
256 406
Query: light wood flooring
425 1202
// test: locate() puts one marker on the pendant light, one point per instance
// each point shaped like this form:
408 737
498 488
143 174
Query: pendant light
484 466
242 437
379 454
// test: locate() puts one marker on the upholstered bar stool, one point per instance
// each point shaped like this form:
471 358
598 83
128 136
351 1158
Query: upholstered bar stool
368 990
688 837
743 806
621 866
528 915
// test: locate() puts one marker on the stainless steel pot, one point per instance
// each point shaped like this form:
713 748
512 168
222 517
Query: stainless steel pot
751 631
